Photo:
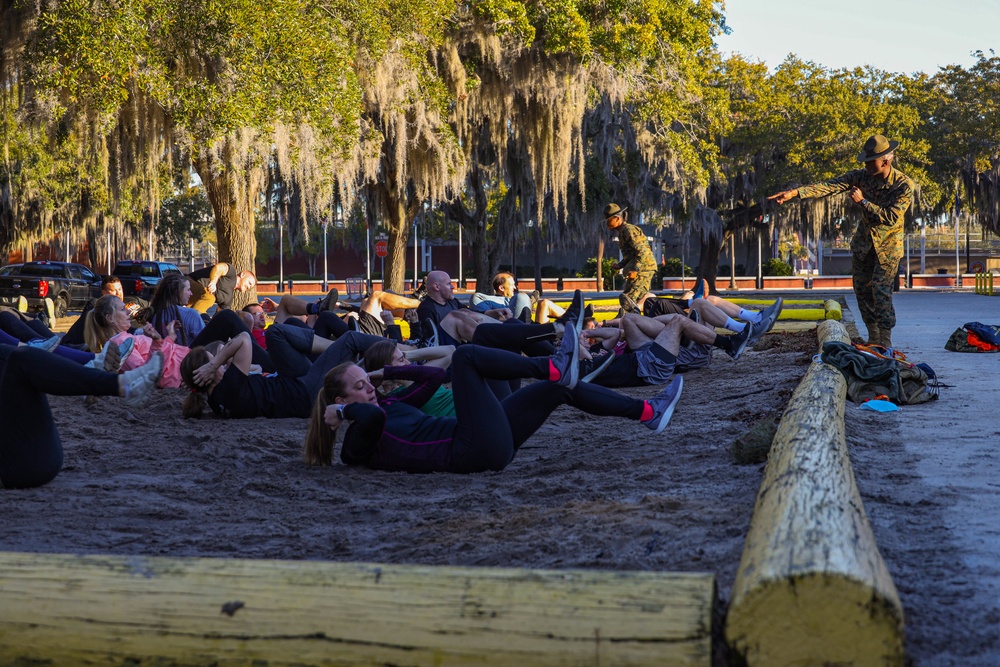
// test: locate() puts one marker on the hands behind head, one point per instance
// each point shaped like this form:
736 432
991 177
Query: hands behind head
376 377
203 375
268 305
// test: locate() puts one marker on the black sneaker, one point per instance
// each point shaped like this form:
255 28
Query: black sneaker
573 317
429 334
420 292
768 317
329 302
739 342
628 304
663 405
598 366
567 356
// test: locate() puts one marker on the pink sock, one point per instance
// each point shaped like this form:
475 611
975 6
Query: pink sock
554 373
647 412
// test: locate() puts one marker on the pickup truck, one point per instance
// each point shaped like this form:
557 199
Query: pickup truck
70 286
139 278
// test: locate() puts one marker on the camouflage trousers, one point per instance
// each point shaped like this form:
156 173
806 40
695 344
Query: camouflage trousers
873 284
636 288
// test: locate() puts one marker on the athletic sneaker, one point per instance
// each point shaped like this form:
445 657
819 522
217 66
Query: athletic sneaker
50 310
739 342
700 289
573 317
329 302
663 405
47 344
768 317
598 366
140 382
429 334
112 357
628 304
567 356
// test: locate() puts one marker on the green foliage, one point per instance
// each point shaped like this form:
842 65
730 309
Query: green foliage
608 271
776 267
671 268
185 215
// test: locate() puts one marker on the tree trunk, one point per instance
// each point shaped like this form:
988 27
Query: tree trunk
536 237
600 263
234 216
708 261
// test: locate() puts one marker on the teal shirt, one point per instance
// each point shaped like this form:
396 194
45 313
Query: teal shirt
441 404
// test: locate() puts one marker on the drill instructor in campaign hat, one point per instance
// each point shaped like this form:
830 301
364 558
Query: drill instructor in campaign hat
884 195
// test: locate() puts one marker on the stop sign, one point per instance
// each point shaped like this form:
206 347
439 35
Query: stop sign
381 248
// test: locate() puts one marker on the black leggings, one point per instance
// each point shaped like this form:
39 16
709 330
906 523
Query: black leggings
31 452
22 330
534 340
227 324
489 431
328 325
291 347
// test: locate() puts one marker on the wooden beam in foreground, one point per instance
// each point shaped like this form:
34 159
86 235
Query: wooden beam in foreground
812 588
113 610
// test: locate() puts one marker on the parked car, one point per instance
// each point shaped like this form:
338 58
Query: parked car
139 278
70 286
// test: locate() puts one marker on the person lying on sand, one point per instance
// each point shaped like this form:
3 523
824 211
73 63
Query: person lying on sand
109 321
388 353
224 381
393 434
30 448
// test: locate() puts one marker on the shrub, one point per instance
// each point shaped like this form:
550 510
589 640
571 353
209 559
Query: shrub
672 269
608 271
775 267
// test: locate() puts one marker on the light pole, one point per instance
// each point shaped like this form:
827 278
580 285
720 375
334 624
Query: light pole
281 253
326 274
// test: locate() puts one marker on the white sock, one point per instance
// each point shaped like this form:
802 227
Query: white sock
734 326
750 315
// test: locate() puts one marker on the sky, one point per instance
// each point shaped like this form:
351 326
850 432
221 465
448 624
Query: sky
894 35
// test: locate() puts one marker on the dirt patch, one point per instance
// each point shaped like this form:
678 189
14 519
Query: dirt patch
583 492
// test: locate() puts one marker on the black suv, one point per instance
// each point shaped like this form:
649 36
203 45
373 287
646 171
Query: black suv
139 278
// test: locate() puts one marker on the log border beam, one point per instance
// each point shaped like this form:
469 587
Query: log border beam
812 587
118 610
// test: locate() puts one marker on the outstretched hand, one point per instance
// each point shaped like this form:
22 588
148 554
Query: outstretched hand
783 196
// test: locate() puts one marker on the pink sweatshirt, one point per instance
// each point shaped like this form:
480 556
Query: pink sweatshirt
173 354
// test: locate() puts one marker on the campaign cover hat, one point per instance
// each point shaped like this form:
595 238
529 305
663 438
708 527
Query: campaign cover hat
876 147
613 209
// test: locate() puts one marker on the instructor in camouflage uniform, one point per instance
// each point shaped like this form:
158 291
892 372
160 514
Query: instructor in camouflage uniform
884 196
637 263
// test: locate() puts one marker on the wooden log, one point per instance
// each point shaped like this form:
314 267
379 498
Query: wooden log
114 610
812 588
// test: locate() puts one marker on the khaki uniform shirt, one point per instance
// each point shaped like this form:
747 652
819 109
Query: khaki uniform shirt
882 224
636 253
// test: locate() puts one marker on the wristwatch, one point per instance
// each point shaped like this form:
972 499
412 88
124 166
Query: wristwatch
339 409
863 202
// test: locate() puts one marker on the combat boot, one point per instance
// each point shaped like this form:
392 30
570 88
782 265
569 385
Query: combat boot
885 338
874 336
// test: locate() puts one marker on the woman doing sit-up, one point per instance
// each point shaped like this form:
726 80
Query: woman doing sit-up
224 381
485 434
31 451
